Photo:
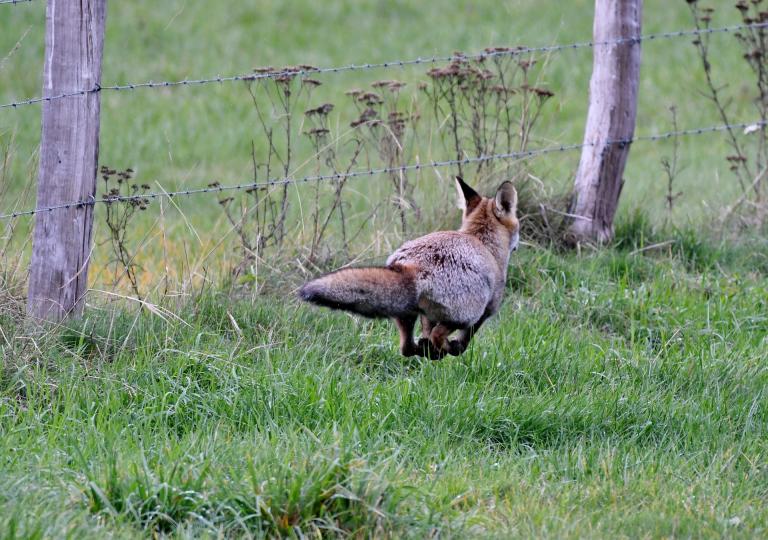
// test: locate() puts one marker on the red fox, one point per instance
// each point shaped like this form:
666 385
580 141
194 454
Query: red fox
452 280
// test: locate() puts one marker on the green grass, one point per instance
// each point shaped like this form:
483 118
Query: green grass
615 395
187 137
618 394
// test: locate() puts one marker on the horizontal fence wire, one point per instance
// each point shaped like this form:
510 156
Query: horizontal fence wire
309 70
215 188
14 1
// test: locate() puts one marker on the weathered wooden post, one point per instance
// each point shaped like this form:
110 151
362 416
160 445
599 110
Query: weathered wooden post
69 151
612 111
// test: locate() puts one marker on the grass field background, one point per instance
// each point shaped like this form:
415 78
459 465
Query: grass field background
618 394
187 137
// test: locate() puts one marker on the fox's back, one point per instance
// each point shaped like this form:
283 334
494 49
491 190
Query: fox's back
451 280
456 276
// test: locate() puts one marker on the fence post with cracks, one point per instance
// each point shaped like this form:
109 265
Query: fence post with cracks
69 150
611 117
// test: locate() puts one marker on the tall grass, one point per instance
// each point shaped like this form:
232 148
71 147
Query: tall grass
616 394
190 137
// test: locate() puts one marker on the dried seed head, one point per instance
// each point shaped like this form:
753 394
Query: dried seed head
318 132
322 110
368 116
370 98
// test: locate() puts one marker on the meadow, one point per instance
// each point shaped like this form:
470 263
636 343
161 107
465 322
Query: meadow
619 393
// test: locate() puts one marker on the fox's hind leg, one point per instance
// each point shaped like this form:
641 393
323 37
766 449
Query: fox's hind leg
405 326
458 345
436 346
426 327
424 346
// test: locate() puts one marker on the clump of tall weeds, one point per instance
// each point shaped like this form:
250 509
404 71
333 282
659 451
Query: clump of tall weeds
123 199
11 270
748 160
388 125
471 107
486 105
258 216
327 159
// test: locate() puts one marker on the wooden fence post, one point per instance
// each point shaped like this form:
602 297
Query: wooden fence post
612 111
69 151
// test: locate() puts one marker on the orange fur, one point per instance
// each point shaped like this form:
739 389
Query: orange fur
453 280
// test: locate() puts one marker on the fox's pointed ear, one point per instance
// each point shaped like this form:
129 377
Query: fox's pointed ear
506 199
468 198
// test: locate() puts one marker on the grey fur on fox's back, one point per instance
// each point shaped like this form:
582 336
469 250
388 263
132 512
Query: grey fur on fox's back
452 280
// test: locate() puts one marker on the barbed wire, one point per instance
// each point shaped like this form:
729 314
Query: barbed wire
216 188
309 70
13 1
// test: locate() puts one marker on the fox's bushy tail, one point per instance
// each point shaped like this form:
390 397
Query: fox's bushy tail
371 292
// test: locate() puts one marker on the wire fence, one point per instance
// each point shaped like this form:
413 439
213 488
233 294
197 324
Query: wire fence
14 1
302 70
216 188
307 70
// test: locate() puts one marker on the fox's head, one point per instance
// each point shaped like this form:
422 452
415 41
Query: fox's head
493 219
